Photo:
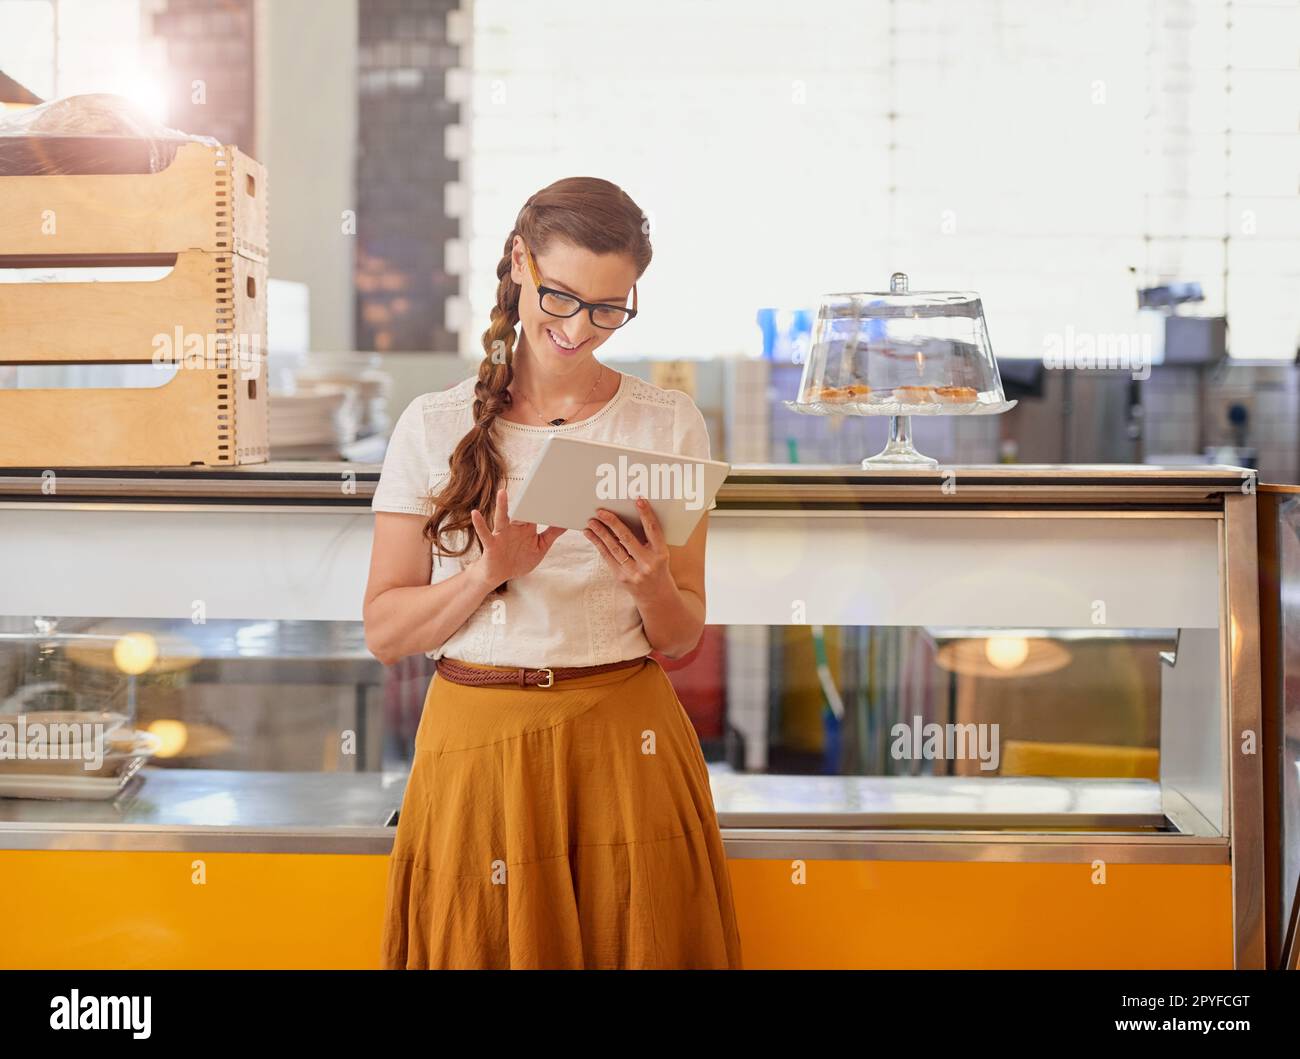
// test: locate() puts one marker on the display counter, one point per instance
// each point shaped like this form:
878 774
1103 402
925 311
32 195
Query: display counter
286 812
964 717
1279 557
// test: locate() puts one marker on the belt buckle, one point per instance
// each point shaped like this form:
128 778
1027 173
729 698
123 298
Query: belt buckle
550 677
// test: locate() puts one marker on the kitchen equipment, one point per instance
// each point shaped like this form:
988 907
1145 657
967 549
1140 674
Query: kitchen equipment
900 353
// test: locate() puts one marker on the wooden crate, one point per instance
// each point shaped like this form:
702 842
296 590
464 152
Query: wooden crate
208 198
189 420
120 322
206 216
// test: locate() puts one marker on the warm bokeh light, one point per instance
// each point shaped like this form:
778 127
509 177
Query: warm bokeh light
1006 652
172 735
135 653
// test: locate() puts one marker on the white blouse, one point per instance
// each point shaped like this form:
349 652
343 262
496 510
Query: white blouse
570 610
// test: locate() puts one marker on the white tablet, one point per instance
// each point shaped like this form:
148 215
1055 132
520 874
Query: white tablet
572 477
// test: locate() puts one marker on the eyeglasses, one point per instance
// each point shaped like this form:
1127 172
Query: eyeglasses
557 303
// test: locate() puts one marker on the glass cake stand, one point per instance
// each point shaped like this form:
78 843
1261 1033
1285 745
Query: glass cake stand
900 353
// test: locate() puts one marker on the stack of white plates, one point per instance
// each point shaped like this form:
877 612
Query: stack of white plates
359 372
312 422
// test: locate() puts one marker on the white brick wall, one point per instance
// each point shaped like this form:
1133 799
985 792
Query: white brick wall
1038 151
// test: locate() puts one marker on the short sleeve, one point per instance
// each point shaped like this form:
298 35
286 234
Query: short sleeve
691 433
404 481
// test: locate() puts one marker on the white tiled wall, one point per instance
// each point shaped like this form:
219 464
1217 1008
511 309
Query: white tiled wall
1053 155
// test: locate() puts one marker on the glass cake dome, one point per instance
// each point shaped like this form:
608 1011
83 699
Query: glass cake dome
900 354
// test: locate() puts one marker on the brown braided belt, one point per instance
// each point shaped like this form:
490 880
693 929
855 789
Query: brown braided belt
460 673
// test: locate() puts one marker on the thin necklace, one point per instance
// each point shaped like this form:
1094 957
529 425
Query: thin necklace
559 422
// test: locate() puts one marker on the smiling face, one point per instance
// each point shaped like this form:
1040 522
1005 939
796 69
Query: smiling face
562 346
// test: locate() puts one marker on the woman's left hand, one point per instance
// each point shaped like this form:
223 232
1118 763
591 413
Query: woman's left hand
642 569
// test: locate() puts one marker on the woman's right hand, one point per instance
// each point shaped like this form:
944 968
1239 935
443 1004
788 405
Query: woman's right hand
514 549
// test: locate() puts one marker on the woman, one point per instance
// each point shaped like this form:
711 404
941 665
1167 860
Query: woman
558 812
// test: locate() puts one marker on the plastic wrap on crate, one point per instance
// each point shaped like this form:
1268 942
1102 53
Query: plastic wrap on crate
87 134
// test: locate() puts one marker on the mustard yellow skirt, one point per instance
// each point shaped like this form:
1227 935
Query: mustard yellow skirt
563 827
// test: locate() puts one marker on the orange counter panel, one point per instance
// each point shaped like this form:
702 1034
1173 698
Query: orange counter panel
121 909
968 914
255 911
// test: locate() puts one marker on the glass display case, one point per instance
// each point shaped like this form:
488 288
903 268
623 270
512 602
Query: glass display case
1024 685
1279 559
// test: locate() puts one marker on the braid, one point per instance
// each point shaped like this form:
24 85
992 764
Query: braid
476 465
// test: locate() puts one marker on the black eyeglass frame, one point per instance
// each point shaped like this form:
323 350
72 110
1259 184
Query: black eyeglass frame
591 307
